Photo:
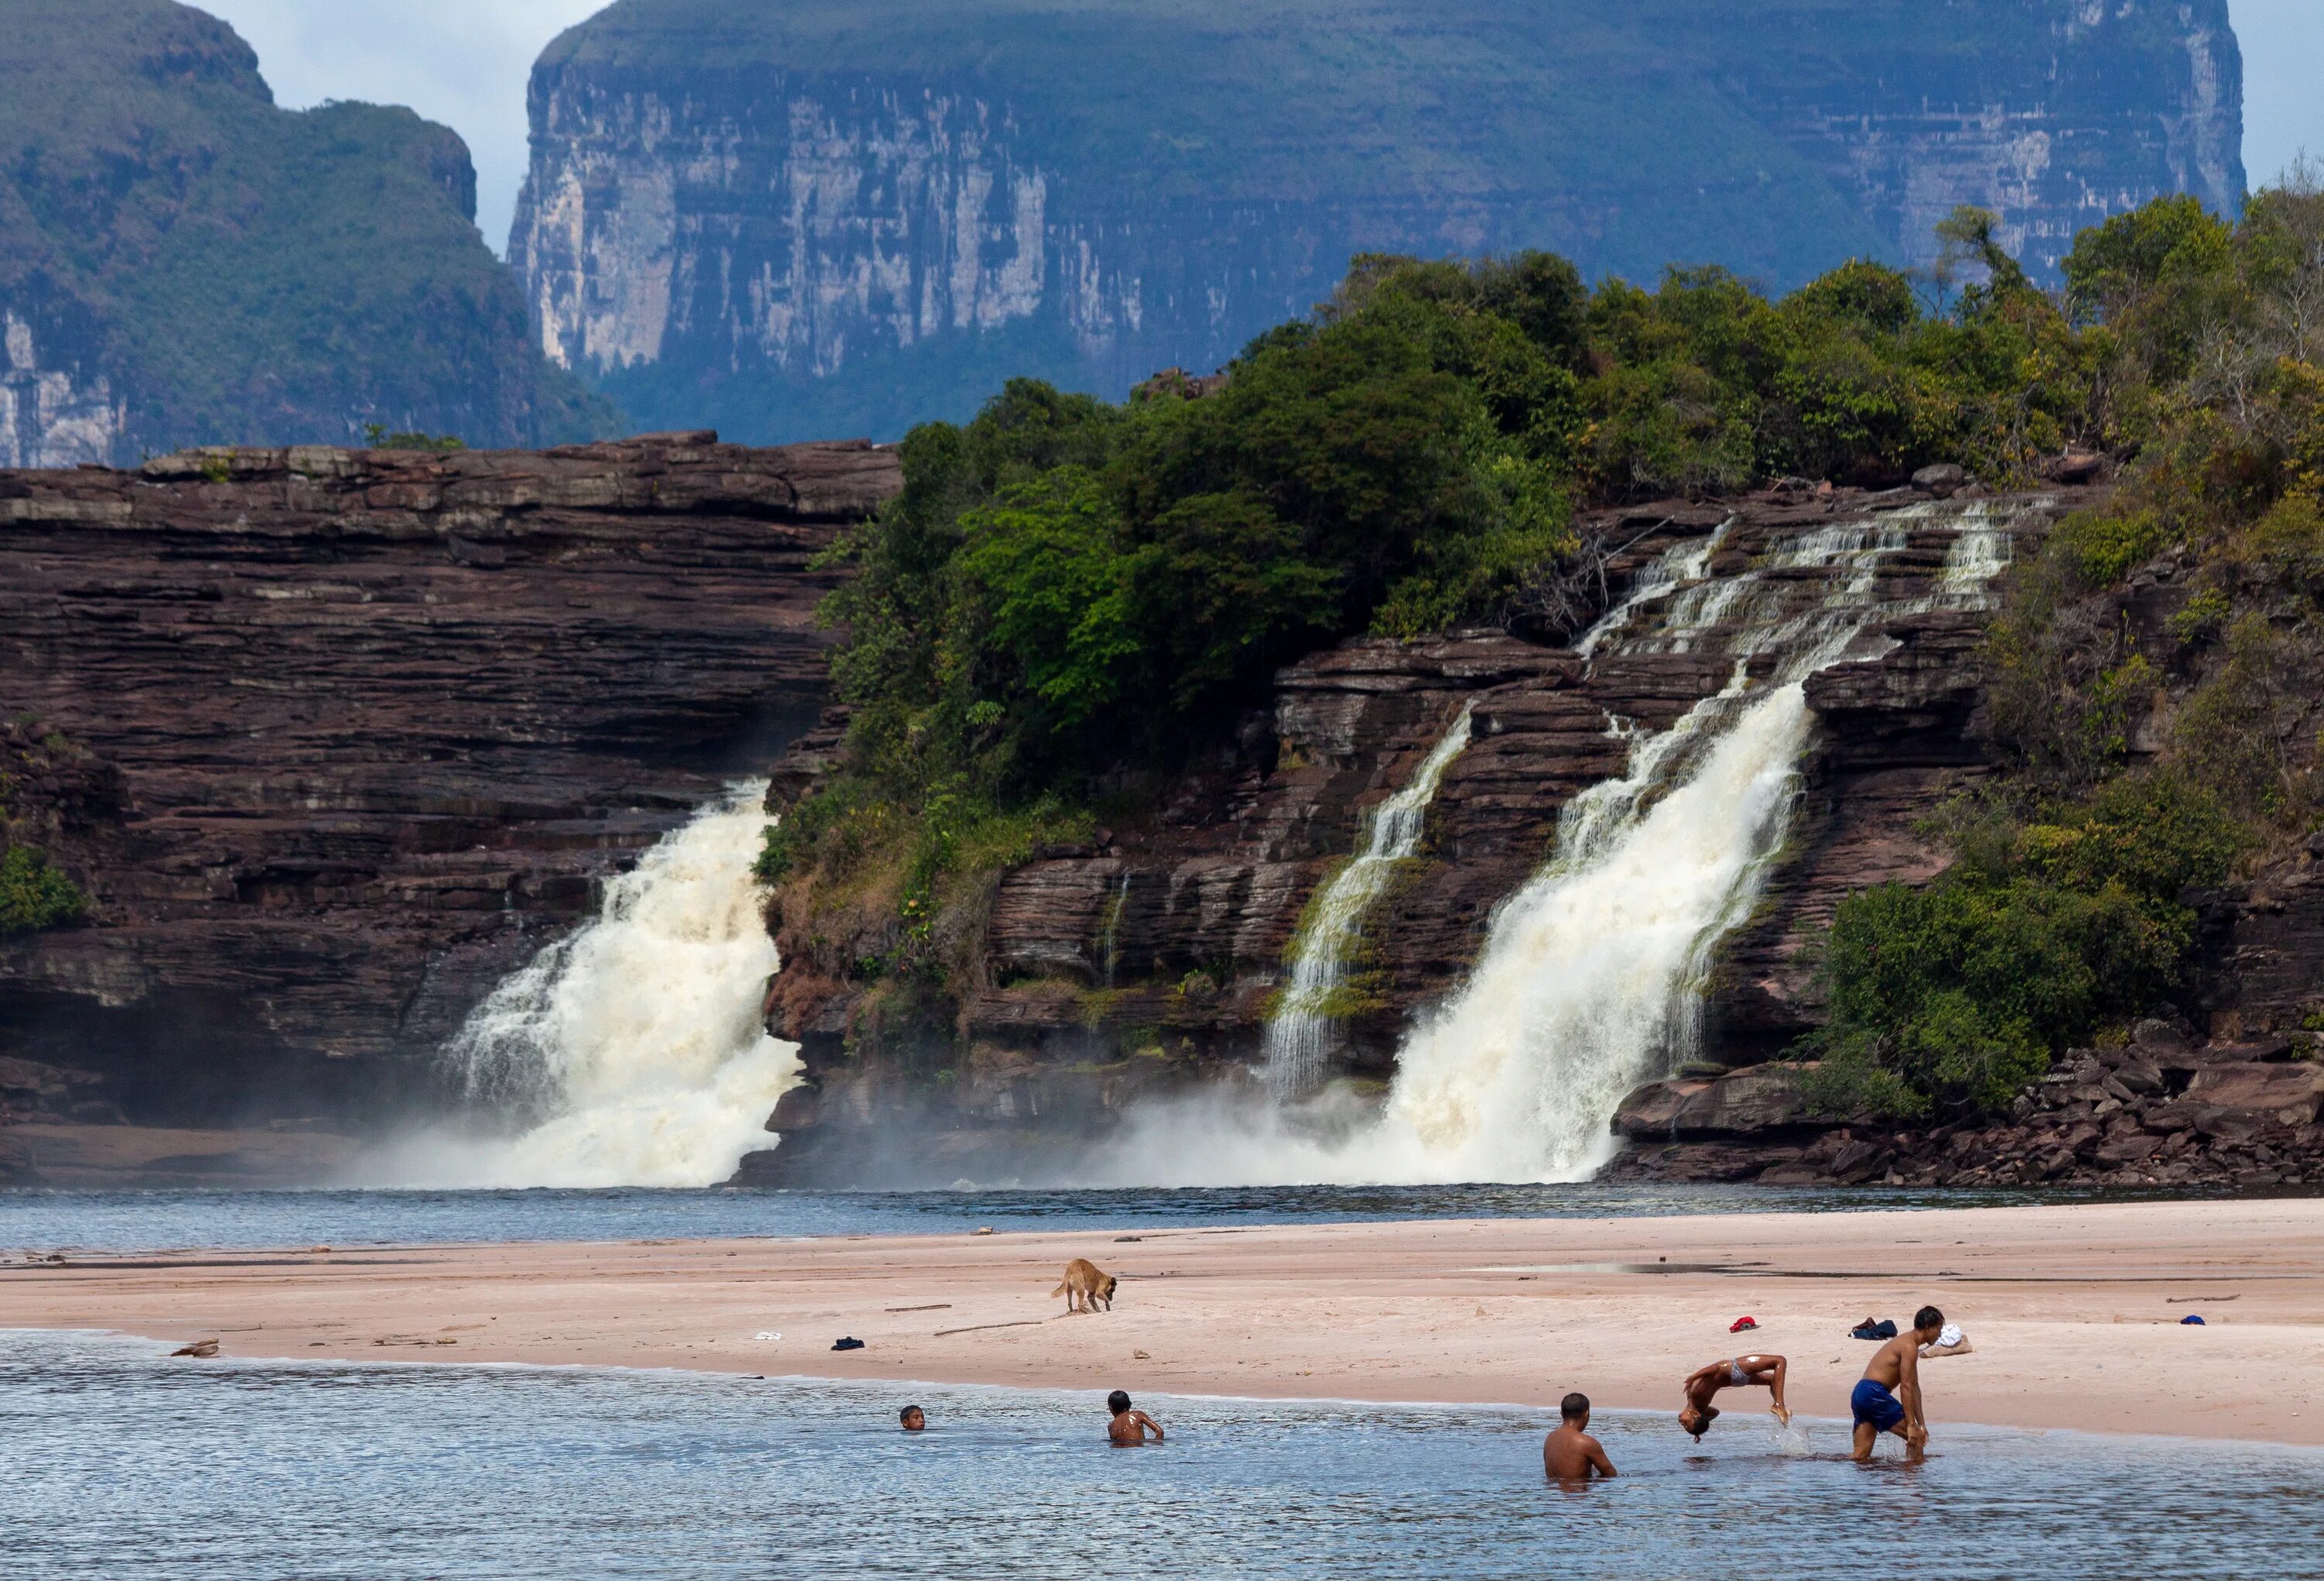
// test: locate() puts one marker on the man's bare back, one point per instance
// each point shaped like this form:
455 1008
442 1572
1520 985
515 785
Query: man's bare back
1130 1426
1570 1454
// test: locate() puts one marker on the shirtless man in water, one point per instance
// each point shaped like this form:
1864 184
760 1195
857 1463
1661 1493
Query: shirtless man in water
1888 1398
1128 1429
1570 1454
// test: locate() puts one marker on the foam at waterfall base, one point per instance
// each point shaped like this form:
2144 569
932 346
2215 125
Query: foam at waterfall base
631 1053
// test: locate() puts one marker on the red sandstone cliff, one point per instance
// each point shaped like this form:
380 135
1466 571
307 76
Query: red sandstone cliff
371 723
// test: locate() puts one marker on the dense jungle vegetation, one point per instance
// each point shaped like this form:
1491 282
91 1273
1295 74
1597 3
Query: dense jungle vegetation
2143 763
1072 600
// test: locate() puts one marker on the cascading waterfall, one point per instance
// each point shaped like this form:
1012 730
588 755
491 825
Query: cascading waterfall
1300 1033
1591 978
633 1046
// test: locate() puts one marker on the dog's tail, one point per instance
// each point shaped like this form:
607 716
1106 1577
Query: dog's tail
1059 1290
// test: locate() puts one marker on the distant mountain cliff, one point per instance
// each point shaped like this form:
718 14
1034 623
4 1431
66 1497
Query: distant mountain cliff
844 216
183 263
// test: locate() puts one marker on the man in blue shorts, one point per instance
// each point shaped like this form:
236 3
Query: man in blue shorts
1888 1398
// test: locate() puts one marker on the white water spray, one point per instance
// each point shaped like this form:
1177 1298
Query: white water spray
636 1039
1299 1035
1590 980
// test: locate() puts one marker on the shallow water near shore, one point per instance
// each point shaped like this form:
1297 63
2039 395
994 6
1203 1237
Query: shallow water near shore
126 1221
123 1462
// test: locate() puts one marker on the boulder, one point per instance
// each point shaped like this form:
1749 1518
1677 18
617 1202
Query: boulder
1741 1103
2288 1093
1944 480
2135 1148
2158 1040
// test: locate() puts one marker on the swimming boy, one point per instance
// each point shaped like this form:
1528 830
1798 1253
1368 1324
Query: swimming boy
1888 1398
1745 1372
1570 1454
1129 1428
914 1419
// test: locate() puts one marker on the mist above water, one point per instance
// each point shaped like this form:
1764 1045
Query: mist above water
630 1053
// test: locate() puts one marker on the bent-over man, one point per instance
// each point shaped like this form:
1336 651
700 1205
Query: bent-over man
1888 1400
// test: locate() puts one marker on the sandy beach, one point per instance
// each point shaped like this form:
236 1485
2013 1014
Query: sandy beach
2075 1312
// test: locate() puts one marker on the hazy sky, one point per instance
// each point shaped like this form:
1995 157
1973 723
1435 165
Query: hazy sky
463 62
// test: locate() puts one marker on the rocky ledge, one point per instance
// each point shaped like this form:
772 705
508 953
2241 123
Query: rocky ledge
342 736
1147 963
2158 1111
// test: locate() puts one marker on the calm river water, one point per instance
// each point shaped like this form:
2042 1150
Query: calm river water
147 1220
119 1462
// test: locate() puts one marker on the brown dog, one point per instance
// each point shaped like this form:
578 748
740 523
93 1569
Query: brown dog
1085 1287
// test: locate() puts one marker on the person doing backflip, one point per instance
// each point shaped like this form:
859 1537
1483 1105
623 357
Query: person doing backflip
1743 1372
1888 1398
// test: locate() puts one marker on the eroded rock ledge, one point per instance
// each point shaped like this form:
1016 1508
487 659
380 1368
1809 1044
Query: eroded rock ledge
370 724
2158 1111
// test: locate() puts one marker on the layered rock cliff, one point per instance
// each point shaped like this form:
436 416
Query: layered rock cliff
820 218
340 737
1150 962
183 262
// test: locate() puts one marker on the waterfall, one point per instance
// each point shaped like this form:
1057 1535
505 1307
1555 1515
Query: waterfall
632 1051
1590 980
1109 944
1681 566
1299 1033
1591 976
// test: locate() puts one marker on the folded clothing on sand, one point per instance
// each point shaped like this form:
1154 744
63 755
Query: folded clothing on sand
1951 1341
1882 1329
1872 1402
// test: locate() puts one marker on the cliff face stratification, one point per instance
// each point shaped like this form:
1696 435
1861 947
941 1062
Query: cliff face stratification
821 217
183 262
1152 961
336 738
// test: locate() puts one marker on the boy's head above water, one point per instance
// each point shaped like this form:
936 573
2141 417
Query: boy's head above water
1697 1418
1574 1407
1118 1401
913 1419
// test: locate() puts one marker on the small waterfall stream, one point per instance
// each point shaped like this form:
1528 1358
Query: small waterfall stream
1299 1034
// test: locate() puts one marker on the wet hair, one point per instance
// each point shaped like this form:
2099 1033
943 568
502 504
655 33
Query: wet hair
1118 1401
1928 1317
1574 1404
909 1412
1704 1415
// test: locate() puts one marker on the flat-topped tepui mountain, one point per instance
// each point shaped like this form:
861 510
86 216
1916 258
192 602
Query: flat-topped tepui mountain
181 262
830 216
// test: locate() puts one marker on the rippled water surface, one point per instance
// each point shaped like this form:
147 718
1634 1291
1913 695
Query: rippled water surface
146 1220
123 1463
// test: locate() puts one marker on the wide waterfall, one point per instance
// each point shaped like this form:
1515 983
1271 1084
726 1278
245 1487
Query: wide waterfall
633 1046
1299 1033
1590 977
